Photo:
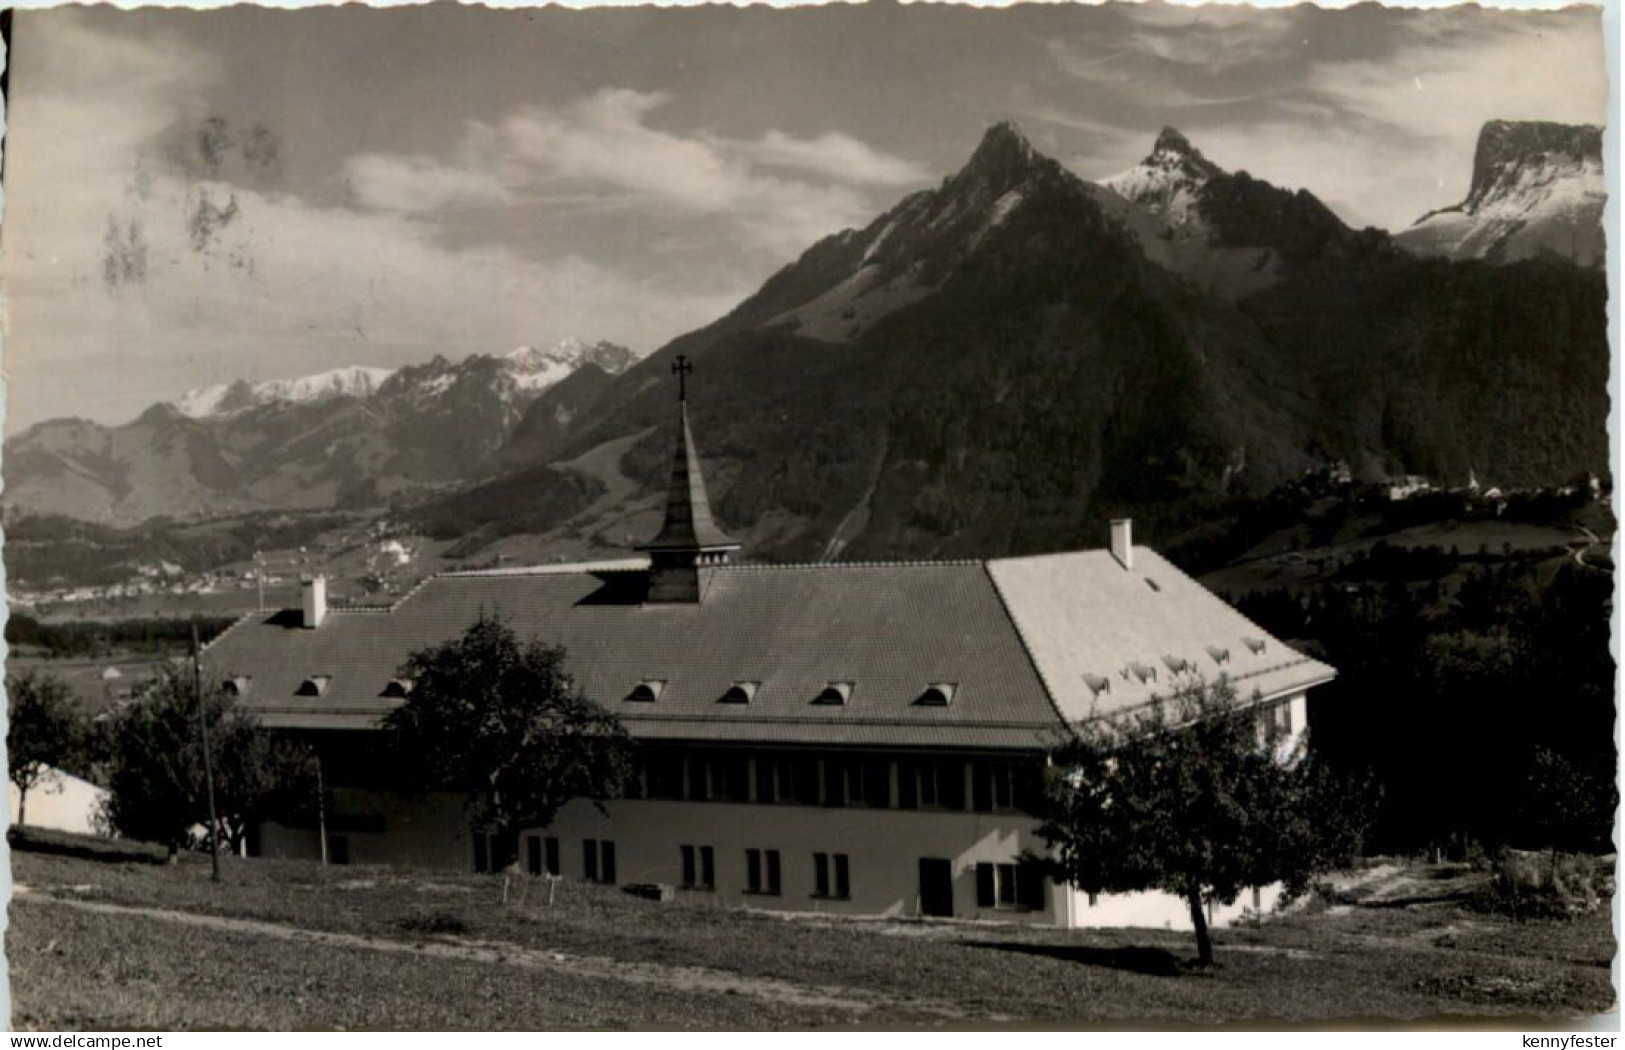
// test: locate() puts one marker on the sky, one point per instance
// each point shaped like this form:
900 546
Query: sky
196 197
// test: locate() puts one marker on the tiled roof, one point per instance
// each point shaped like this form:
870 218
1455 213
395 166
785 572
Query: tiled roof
890 630
1020 641
1106 638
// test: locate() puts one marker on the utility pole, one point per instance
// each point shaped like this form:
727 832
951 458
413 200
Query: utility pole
259 577
321 808
208 759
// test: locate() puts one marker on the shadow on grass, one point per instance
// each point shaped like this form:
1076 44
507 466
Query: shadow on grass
1153 962
1457 897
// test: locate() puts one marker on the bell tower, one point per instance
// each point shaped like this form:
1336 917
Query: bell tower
689 539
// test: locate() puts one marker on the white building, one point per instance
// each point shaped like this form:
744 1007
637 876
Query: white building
60 802
847 738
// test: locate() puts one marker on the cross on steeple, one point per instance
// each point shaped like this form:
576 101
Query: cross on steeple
681 368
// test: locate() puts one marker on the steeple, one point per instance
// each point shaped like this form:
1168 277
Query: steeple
689 537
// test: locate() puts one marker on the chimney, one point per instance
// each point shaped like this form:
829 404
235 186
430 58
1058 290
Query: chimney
313 599
1123 541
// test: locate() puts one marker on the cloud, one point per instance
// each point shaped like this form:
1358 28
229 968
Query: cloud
390 182
1375 112
834 156
132 275
604 145
601 153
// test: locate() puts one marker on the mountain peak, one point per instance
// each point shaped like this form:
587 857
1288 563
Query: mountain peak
1173 150
1537 189
1508 147
1003 154
1172 140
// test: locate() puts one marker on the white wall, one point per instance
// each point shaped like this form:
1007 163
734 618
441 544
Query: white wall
884 848
62 802
1163 910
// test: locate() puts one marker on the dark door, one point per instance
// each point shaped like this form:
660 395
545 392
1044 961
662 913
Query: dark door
936 886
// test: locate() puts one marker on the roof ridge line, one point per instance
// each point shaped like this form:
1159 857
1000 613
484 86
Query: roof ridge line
1026 646
899 563
233 626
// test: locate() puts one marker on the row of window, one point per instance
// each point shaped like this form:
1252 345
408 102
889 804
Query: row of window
936 694
877 783
763 867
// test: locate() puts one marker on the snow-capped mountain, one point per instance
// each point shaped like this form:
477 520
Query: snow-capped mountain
353 381
536 369
1537 189
1015 351
351 436
1227 232
532 369
1169 182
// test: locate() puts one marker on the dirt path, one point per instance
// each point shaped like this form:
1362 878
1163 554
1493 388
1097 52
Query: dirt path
857 519
672 977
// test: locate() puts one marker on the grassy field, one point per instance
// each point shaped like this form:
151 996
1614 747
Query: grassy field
99 945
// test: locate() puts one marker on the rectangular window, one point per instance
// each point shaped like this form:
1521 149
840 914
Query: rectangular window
982 787
929 795
805 779
908 785
773 872
1004 788
762 871
699 868
533 854
1006 878
1030 887
834 782
764 780
730 778
877 784
951 785
589 859
830 876
663 775
551 849
1009 886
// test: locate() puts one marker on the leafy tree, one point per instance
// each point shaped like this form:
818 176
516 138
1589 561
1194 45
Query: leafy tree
44 732
503 723
1195 795
157 787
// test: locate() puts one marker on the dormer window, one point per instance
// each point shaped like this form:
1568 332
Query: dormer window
834 694
647 691
1255 644
1220 655
236 686
1177 664
1097 683
1144 672
740 693
399 688
938 694
315 685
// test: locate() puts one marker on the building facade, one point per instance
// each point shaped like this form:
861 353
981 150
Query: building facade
850 738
